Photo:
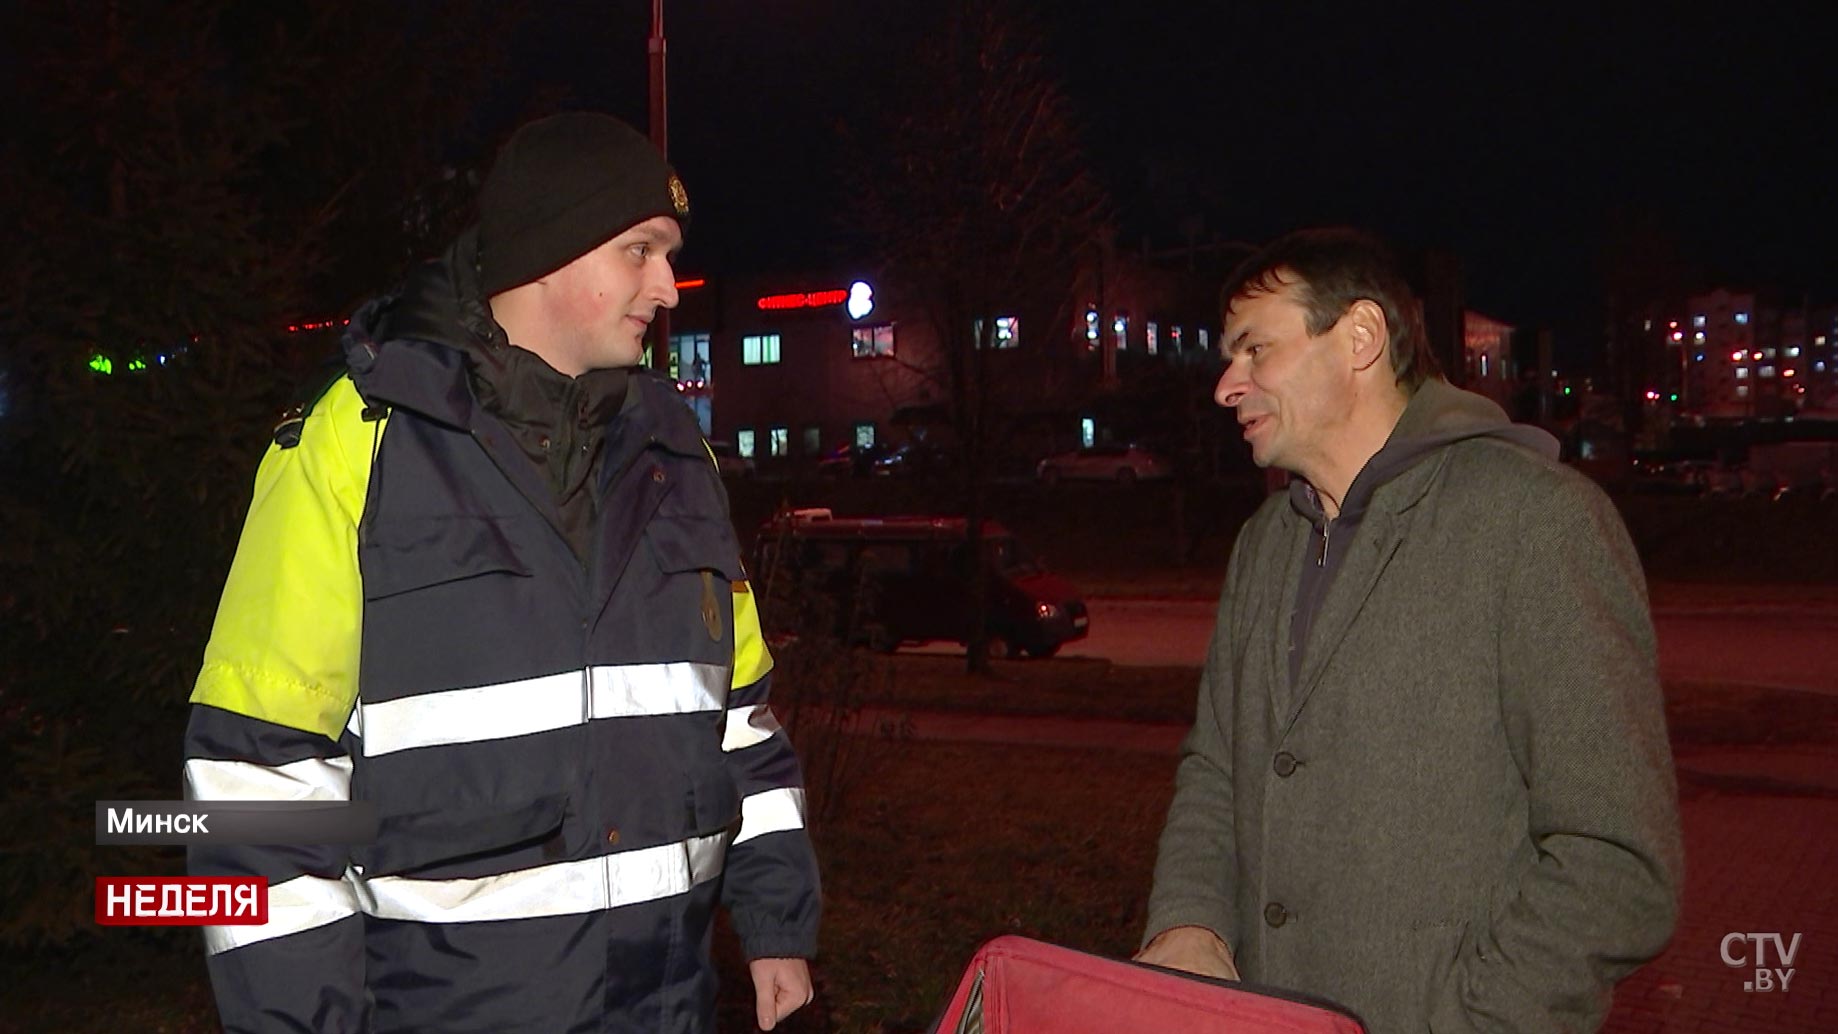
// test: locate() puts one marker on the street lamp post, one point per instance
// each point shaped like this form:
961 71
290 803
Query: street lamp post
660 109
660 137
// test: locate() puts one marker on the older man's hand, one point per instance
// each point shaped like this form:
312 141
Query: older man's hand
780 988
1191 949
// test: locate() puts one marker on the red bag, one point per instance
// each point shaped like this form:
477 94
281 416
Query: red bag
1019 986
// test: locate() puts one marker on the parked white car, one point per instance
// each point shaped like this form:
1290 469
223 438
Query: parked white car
1124 464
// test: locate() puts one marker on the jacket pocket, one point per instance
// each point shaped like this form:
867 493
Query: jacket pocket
714 801
408 842
685 543
418 554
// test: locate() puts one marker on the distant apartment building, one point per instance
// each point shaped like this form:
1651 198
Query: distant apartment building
1733 355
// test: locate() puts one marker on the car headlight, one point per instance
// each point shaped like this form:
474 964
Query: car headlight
1047 610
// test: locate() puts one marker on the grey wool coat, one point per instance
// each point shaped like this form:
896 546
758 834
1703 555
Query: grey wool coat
1463 816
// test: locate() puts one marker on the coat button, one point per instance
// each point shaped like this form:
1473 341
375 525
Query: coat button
1285 765
1275 914
612 836
657 474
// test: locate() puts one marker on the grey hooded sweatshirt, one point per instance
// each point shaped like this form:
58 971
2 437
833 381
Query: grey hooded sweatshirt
1436 416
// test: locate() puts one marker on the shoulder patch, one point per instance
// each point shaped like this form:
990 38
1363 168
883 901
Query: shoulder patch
293 418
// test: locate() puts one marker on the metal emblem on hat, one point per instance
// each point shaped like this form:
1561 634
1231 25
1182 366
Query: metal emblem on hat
678 196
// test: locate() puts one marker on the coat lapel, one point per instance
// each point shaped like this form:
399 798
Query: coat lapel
1376 542
1290 579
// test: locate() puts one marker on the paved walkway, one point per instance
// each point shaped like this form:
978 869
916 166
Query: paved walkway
1761 849
1753 865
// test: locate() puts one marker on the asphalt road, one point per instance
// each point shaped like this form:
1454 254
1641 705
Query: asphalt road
1779 644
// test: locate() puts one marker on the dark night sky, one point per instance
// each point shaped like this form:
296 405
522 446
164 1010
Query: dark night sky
1520 141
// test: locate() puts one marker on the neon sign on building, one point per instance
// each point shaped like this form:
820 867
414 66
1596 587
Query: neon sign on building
859 297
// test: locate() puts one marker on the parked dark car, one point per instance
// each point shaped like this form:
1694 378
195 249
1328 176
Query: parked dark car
850 460
1662 476
909 580
914 460
730 463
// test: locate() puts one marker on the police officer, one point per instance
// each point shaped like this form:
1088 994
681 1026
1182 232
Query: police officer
488 584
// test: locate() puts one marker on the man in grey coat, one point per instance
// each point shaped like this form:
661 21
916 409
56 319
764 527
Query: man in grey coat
1428 776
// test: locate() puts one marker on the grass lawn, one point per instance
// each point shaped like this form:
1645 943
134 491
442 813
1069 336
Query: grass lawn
1077 687
959 843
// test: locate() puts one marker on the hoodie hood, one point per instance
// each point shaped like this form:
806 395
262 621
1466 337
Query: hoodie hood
440 305
440 302
1438 415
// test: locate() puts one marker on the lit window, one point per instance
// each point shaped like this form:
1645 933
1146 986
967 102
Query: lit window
1742 318
1174 338
743 443
1152 332
1646 325
1088 432
813 440
1769 352
778 442
1766 371
1820 340
1698 320
1818 367
1697 337
1091 328
703 407
1007 332
1205 339
1121 327
864 436
1483 364
1794 352
1742 391
757 349
1700 357
689 360
1678 335
868 342
1742 373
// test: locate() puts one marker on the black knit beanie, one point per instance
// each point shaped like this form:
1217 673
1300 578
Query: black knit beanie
561 187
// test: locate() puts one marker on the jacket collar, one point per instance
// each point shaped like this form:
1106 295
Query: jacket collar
415 349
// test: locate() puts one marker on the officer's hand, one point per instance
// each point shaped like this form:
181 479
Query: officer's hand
1191 949
780 988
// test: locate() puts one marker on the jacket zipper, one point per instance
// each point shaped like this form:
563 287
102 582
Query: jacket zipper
1326 529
